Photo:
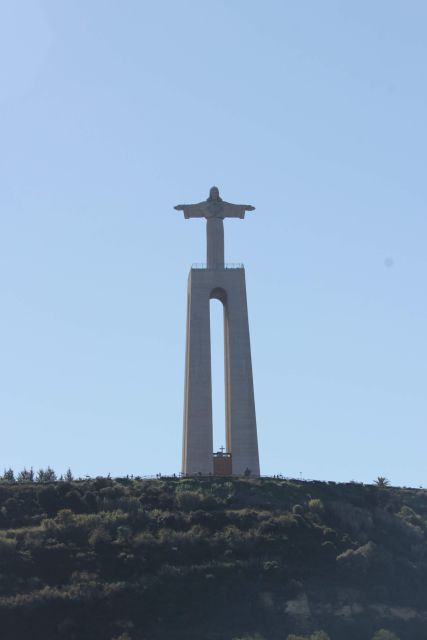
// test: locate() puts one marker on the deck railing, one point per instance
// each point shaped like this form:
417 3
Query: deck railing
217 267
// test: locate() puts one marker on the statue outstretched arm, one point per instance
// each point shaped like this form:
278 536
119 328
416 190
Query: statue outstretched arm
235 210
193 210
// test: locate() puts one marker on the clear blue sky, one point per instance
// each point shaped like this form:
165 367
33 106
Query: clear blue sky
113 112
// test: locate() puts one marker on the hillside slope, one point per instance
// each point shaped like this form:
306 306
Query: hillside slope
211 558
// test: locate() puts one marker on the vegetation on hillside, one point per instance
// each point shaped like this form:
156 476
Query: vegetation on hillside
211 558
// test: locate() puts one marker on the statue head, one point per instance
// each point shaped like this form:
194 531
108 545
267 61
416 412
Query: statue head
214 194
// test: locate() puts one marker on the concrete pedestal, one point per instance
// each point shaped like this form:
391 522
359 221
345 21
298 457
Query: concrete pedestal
228 286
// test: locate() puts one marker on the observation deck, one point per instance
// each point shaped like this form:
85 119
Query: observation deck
217 267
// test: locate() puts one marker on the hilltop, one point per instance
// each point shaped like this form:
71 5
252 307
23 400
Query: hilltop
212 558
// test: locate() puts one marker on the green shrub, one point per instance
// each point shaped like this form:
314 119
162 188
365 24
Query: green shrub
189 500
49 499
7 548
384 634
316 505
99 537
298 509
124 535
64 517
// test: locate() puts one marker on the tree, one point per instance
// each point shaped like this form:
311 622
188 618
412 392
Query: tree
46 475
25 475
381 481
384 634
8 475
69 476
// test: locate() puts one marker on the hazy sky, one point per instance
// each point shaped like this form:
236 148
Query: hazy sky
113 112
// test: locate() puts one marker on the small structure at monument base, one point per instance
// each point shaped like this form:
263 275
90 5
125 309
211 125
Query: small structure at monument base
222 463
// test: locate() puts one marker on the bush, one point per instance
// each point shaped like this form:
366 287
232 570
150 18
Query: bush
298 509
384 634
369 557
49 499
64 517
73 501
316 505
99 538
7 548
189 500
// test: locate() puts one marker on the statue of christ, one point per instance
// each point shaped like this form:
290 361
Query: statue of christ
214 209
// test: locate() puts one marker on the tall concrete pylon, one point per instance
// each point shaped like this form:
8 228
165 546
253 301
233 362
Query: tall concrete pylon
217 280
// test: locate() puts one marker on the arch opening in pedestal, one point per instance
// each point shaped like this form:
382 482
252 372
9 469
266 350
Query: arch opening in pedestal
220 381
218 374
